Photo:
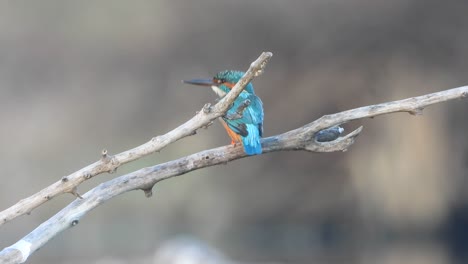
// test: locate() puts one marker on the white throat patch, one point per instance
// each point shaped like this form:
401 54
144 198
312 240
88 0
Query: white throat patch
218 91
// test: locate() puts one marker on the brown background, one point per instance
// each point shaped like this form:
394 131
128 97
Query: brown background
80 76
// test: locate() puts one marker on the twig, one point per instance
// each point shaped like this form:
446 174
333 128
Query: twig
239 111
144 179
108 163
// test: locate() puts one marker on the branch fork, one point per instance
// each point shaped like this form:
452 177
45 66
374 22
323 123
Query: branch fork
109 164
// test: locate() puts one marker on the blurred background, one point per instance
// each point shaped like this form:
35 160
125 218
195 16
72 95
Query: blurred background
80 76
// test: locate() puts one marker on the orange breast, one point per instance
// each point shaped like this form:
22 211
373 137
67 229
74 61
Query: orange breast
234 137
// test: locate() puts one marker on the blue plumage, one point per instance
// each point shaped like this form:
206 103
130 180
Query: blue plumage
247 127
250 125
251 142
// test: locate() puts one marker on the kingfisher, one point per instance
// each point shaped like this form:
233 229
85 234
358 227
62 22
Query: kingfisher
244 119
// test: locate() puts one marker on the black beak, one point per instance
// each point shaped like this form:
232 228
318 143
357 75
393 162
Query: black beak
202 82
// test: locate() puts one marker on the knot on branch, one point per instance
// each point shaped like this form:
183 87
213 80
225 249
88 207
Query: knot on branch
339 144
207 108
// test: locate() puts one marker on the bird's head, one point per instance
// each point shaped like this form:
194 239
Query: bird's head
223 82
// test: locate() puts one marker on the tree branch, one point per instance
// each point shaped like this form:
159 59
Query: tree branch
299 139
108 163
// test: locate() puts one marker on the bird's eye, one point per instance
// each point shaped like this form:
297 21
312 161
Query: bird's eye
220 81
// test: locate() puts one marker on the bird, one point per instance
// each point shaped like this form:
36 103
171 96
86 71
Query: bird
244 119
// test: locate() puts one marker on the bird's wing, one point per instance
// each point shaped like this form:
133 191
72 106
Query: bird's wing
256 109
252 114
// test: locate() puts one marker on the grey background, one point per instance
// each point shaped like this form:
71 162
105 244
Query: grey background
80 76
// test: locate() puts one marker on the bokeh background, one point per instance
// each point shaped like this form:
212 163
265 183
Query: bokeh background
80 76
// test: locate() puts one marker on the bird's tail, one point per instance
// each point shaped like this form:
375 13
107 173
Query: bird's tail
251 142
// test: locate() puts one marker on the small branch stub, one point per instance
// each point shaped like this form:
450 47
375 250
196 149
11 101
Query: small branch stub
105 157
239 111
148 192
417 111
242 107
206 108
208 125
74 191
267 55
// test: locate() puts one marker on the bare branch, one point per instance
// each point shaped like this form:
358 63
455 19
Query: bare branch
144 179
108 163
413 105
